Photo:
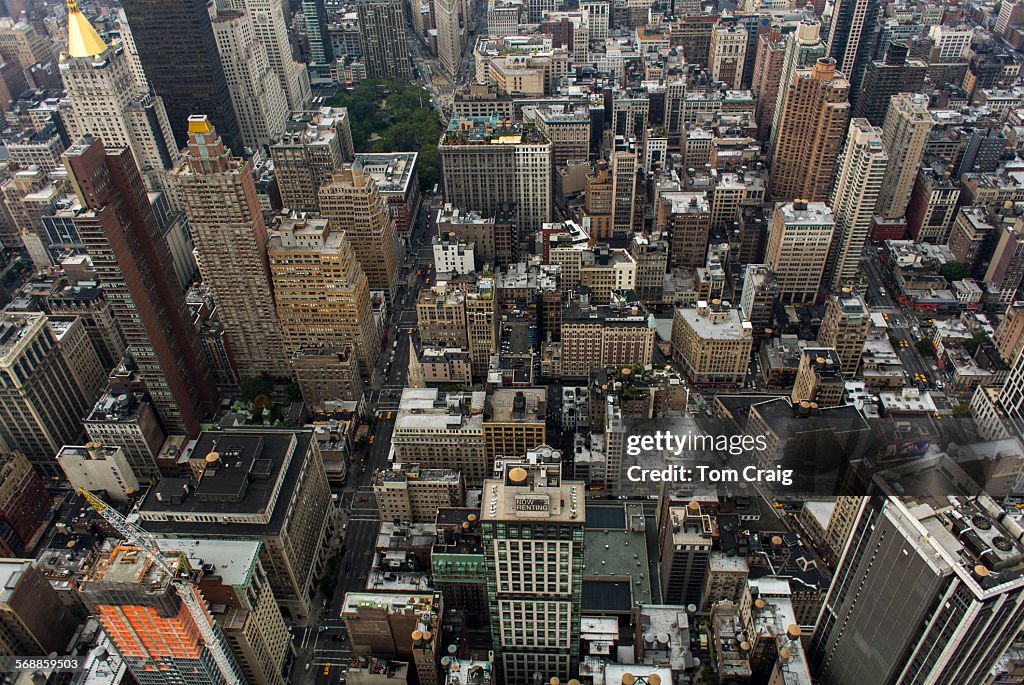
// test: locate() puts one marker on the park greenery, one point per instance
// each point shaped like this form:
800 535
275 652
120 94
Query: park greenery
394 116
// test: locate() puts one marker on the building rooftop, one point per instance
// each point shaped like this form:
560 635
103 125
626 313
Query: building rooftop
391 171
971 537
774 619
490 131
312 127
616 553
715 321
14 332
430 408
11 571
117 406
509 405
249 485
233 561
400 473
805 213
533 492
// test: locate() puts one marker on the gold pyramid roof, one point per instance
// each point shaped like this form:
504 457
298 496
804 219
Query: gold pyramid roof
83 41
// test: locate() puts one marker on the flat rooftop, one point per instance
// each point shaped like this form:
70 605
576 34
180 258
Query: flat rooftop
251 491
231 560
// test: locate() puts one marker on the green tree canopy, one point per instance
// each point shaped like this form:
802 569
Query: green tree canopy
394 116
953 271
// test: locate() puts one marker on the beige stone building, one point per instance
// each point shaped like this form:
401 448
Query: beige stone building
440 430
568 129
618 334
712 343
819 378
440 366
327 373
409 493
798 245
321 292
227 226
514 422
441 316
904 135
353 204
488 163
845 328
314 145
50 377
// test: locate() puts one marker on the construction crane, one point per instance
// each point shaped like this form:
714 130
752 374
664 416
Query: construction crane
182 584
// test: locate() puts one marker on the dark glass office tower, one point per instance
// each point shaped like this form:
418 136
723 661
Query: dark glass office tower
851 37
885 78
179 55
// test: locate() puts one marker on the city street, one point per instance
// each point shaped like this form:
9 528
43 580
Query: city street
322 646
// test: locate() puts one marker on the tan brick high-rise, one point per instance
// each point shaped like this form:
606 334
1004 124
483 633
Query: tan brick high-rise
812 123
321 291
231 246
353 204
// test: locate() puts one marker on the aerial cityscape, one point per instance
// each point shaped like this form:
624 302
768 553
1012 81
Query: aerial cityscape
512 342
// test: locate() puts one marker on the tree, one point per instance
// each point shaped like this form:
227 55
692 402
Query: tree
954 271
975 342
963 411
292 393
253 386
925 347
262 404
394 116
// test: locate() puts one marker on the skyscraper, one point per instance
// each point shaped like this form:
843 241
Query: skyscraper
178 51
315 144
133 265
904 134
110 102
850 38
884 79
321 51
231 247
487 163
623 165
353 204
312 264
271 30
449 35
243 604
49 377
382 39
803 48
948 614
147 621
532 523
260 105
812 121
854 197
728 52
34 621
1006 270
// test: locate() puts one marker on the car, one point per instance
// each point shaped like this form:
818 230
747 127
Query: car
390 414
363 499
327 668
372 438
